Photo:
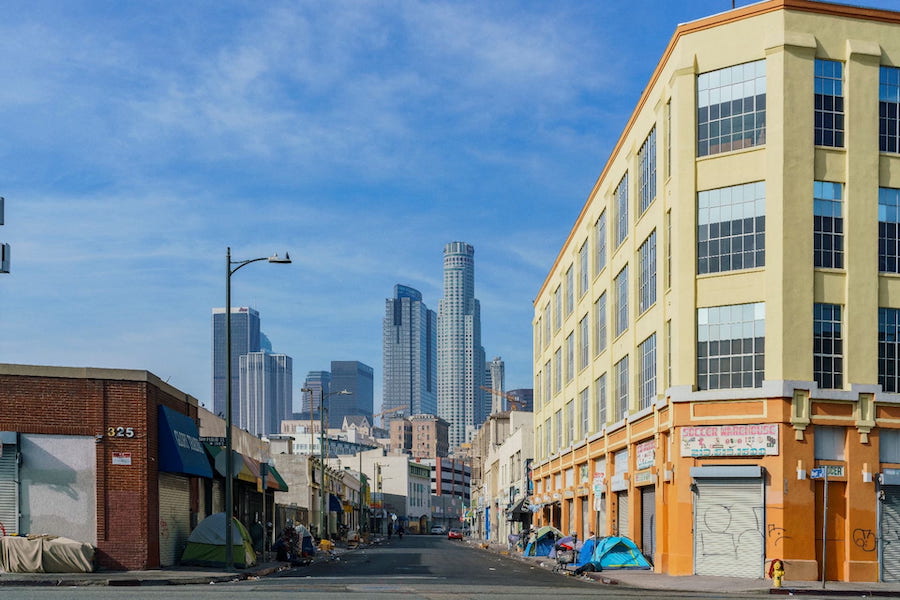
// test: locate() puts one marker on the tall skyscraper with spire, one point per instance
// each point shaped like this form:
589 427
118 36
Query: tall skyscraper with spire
460 353
410 355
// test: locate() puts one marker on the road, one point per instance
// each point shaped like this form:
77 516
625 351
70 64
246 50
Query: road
414 568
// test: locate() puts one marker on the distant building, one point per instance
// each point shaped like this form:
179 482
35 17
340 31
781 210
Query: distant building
460 354
420 436
358 379
319 382
495 379
410 355
245 338
524 399
265 383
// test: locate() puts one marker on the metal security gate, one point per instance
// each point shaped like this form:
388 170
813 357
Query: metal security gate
9 484
889 535
729 525
648 521
622 514
174 517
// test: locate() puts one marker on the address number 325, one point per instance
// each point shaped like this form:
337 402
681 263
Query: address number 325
126 432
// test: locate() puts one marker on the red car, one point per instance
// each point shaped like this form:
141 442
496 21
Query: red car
454 534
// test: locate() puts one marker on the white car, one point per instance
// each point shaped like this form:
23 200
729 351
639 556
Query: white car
438 530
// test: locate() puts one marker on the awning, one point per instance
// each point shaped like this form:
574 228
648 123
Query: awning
246 469
334 504
180 450
519 508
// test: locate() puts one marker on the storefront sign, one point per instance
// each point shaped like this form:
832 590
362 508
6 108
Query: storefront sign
645 477
730 440
832 470
617 483
599 483
645 454
121 458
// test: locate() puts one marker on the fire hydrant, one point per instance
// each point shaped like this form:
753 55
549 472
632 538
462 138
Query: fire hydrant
776 572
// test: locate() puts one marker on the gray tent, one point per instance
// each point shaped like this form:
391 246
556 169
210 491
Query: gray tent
206 545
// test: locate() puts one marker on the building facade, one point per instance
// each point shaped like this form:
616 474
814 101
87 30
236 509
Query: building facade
410 355
316 387
495 381
420 436
358 379
245 338
460 354
265 382
716 342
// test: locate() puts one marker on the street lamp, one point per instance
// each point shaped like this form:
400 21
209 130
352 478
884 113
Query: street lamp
322 505
231 267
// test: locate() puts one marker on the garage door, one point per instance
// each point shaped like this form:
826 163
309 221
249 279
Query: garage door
648 521
729 523
889 538
174 517
622 514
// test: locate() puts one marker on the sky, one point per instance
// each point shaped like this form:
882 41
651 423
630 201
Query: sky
141 139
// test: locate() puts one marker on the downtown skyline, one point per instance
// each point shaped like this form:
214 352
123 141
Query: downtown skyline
140 143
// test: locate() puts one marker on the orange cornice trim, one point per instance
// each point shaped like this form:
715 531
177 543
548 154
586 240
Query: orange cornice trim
725 18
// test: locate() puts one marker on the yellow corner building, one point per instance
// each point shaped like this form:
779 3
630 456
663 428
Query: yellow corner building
717 346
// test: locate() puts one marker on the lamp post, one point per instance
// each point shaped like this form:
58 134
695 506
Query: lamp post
322 505
231 267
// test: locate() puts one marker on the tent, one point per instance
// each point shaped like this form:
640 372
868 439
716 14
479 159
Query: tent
611 553
544 540
206 544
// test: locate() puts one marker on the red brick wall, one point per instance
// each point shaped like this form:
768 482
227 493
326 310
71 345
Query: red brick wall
127 495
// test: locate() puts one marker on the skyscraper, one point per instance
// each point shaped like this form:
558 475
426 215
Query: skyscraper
319 382
410 355
358 379
495 378
245 338
460 354
265 382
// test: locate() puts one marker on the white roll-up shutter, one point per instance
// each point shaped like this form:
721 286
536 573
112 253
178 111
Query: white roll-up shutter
174 517
218 497
648 521
889 537
622 514
729 522
9 490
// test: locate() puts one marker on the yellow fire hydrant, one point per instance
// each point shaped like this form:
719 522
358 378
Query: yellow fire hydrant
776 571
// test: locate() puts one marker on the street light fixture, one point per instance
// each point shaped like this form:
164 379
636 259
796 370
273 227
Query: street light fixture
231 267
322 491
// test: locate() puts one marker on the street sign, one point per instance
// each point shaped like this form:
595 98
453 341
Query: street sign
817 473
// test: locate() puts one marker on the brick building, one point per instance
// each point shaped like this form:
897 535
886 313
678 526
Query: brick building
420 436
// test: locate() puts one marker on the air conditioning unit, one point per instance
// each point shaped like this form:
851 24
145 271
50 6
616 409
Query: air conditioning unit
4 258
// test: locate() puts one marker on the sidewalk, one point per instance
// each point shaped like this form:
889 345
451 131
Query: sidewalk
166 576
700 583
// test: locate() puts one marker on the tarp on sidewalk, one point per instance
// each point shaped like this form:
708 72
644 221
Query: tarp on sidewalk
45 554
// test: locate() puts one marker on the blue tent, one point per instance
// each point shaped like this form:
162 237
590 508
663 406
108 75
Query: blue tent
544 541
611 553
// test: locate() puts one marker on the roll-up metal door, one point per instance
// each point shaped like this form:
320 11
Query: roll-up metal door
218 496
174 517
9 490
889 536
648 521
622 514
729 527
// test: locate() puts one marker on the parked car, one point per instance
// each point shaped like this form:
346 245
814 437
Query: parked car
454 534
438 530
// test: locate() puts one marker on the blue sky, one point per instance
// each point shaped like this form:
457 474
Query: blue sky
140 139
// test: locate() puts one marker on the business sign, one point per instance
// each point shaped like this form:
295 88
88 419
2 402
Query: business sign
730 440
121 458
645 454
832 470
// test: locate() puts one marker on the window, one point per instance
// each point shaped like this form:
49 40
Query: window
828 225
829 103
548 436
557 370
600 324
600 400
731 108
889 109
570 291
647 376
557 308
600 243
584 335
647 172
828 443
668 353
889 446
889 349
547 382
585 412
558 427
668 249
668 137
828 346
621 368
731 346
583 273
537 389
731 228
570 356
889 230
547 322
621 198
621 286
570 422
647 276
